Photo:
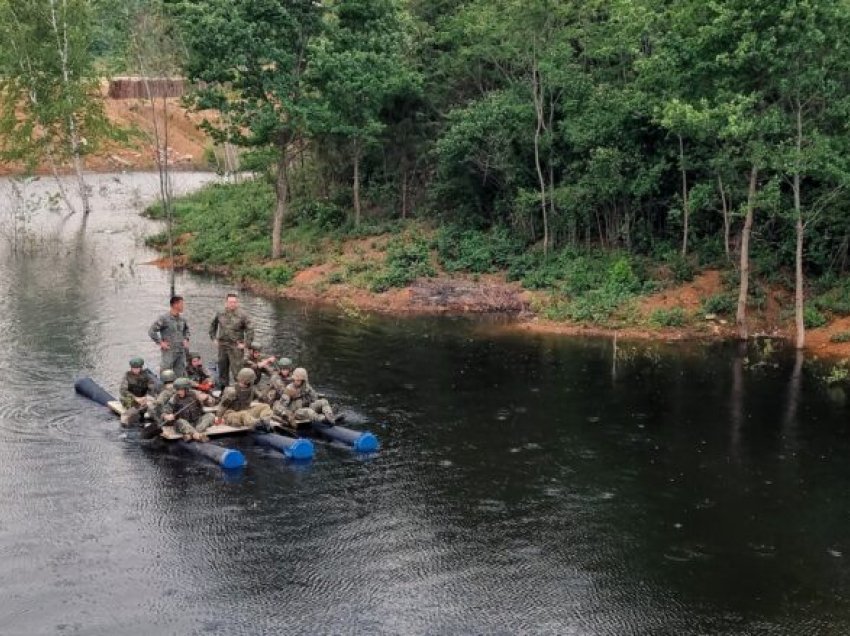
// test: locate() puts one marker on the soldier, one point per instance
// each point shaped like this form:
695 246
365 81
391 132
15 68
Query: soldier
300 402
261 366
137 390
166 391
185 410
171 332
279 381
197 373
231 330
236 408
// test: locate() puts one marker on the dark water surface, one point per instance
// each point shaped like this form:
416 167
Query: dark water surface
525 485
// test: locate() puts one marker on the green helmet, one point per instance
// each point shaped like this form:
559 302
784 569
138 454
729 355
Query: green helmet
182 383
167 376
193 355
284 363
246 376
137 362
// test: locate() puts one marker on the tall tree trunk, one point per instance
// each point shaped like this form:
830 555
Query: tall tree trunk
686 205
537 94
741 315
356 186
404 193
726 220
282 194
73 133
799 319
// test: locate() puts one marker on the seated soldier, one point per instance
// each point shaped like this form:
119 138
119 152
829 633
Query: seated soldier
261 366
198 375
137 390
236 408
279 380
185 410
166 391
301 403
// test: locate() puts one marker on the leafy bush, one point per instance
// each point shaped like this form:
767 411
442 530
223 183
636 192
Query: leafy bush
407 259
841 336
836 299
723 304
813 318
323 214
476 251
673 317
275 275
681 267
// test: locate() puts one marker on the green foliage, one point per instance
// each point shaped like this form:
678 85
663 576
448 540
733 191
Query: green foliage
673 317
275 275
229 223
681 267
408 258
476 251
51 109
724 304
841 336
813 318
322 214
836 299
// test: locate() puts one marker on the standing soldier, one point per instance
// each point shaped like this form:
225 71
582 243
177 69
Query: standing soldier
231 330
171 332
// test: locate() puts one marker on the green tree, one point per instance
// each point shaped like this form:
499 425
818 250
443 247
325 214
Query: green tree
51 110
250 57
357 69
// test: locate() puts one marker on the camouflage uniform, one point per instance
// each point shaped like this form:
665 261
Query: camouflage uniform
137 385
230 327
277 385
173 330
264 373
198 375
302 404
156 409
236 406
189 413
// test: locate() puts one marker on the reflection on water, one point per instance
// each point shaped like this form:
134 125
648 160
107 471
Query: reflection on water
526 484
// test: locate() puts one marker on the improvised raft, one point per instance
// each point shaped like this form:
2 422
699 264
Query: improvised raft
295 448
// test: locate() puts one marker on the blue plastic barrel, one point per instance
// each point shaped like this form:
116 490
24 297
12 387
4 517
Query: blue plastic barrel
292 448
360 441
224 457
93 391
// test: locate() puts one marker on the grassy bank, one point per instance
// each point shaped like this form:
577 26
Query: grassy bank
226 227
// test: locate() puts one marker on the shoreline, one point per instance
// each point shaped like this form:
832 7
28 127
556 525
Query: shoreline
405 302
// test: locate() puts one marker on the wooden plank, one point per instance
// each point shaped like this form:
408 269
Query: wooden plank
170 434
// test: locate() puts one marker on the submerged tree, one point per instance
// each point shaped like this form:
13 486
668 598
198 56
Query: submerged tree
51 109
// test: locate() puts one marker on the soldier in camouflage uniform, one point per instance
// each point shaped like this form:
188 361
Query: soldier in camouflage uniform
231 330
136 392
236 408
280 379
261 366
171 332
301 403
167 378
185 410
197 373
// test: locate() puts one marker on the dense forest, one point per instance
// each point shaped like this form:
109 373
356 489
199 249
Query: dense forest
532 132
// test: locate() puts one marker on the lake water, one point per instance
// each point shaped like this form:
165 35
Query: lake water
526 484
